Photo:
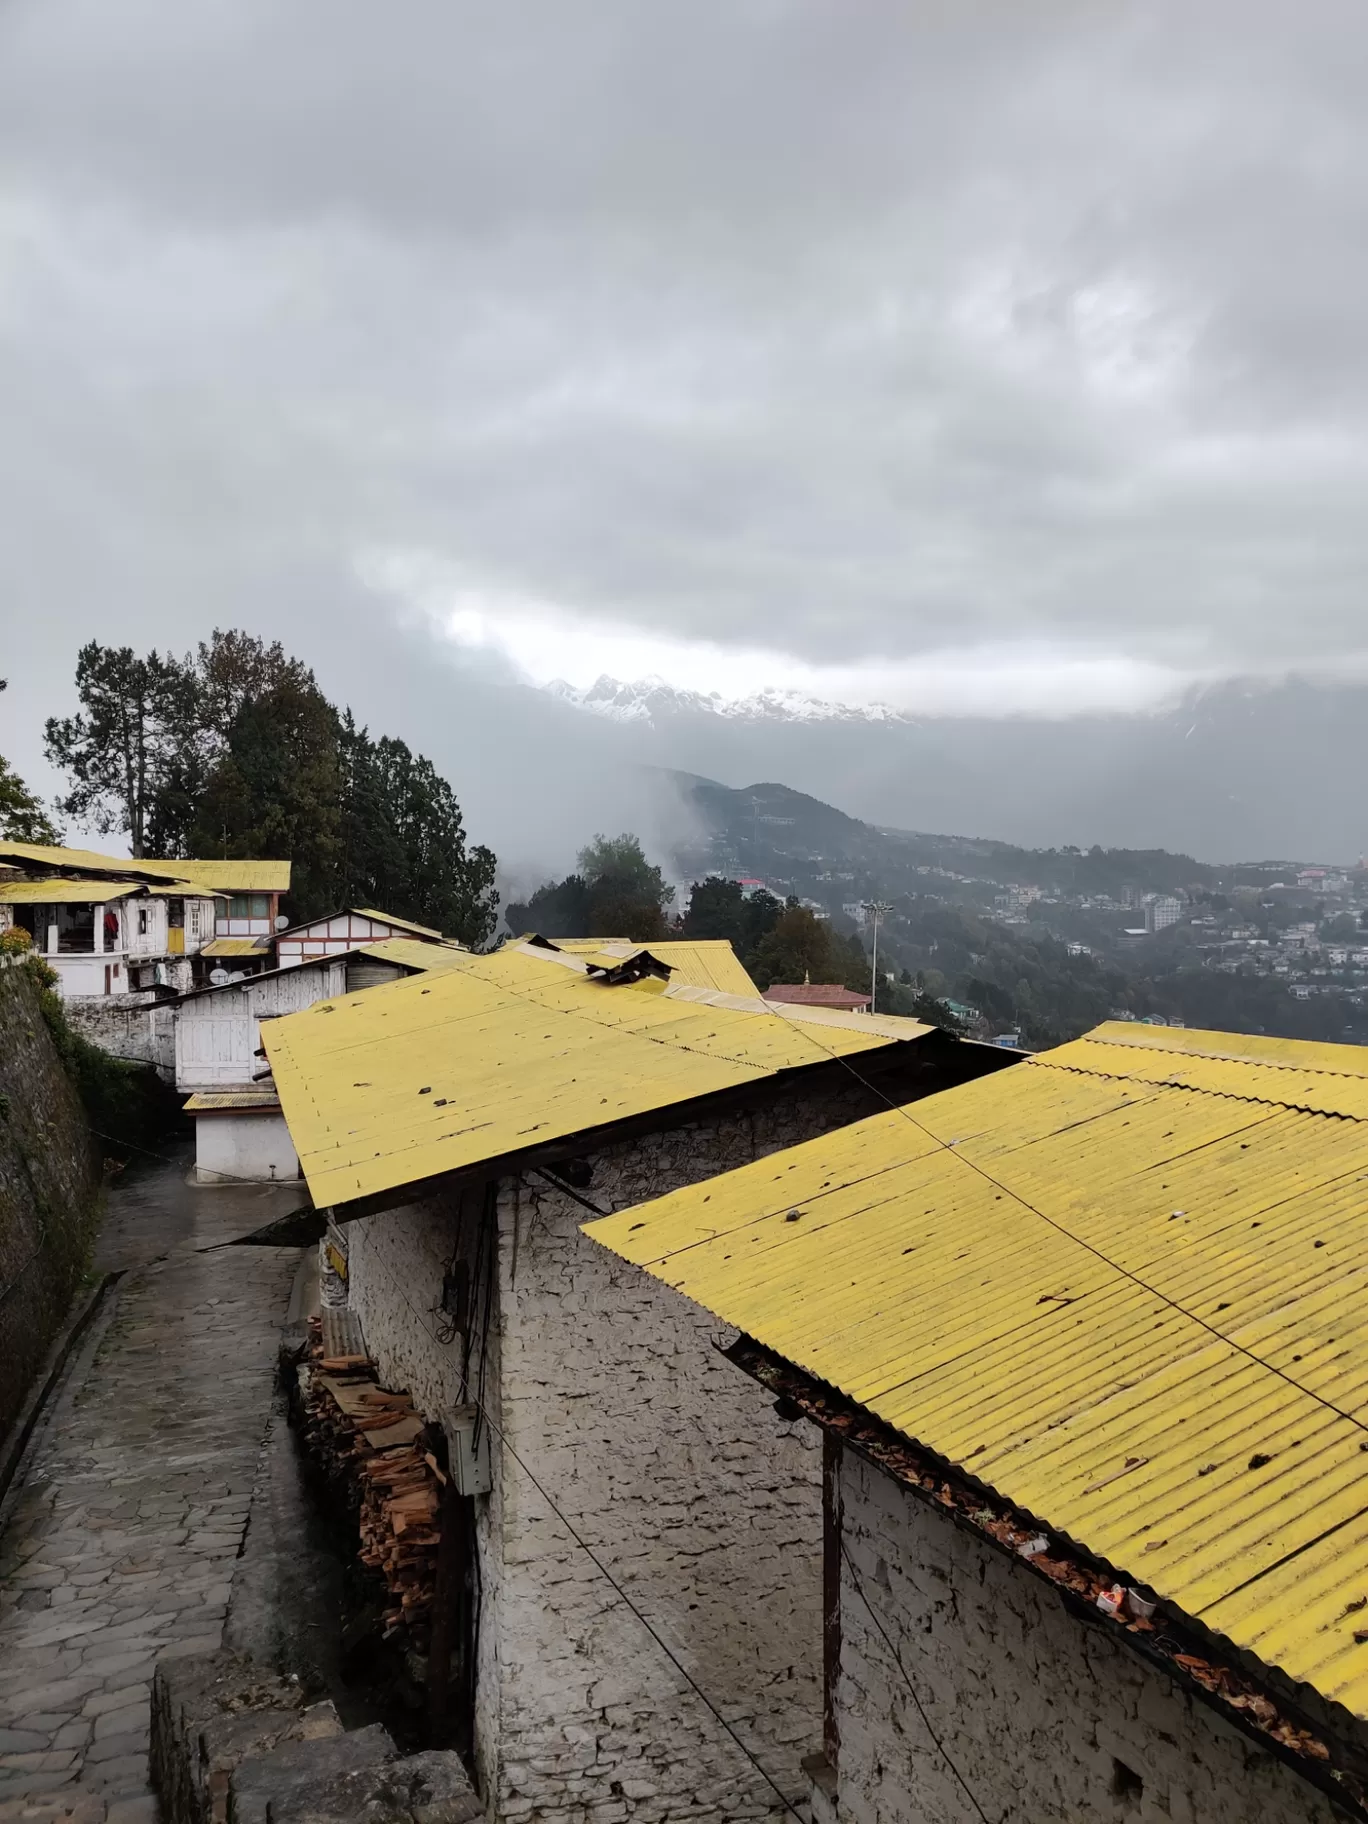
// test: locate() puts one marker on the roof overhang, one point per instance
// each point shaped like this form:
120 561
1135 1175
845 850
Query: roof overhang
894 1069
1254 1698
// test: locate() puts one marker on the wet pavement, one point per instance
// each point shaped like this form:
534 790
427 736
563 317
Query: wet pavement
119 1541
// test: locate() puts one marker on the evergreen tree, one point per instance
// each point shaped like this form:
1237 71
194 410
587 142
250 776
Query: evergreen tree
404 843
122 746
236 752
616 892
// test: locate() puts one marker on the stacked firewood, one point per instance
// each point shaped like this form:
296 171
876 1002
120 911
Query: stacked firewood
374 1445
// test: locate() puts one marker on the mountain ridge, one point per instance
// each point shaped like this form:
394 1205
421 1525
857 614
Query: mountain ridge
652 699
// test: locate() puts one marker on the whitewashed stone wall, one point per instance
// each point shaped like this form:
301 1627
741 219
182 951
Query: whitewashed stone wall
138 1028
1036 1708
621 1421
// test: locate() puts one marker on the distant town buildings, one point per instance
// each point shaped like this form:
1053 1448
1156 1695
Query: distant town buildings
1161 911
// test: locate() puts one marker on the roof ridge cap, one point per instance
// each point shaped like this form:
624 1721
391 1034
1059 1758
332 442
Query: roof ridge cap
1224 1057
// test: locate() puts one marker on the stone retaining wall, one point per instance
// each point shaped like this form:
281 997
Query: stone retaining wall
138 1028
49 1188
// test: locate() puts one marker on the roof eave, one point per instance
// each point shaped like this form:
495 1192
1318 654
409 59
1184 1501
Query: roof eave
892 1059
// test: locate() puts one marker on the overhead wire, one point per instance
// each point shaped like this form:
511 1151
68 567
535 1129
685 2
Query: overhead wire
583 1545
1099 1254
803 1028
907 1680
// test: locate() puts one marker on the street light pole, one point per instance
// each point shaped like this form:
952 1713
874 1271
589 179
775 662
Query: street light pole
875 909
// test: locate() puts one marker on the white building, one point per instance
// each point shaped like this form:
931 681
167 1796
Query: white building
1161 911
343 931
110 937
1082 1471
459 1130
117 926
220 1063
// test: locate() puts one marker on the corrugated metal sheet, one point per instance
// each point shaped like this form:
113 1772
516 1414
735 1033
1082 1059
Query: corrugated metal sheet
222 876
498 1053
225 876
236 946
1133 1307
413 952
399 924
693 962
62 892
219 1101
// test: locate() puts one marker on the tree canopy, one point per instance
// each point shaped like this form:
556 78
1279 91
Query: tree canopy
777 940
616 892
121 749
23 817
235 751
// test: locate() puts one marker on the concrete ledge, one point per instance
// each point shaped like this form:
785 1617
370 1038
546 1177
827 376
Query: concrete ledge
231 1742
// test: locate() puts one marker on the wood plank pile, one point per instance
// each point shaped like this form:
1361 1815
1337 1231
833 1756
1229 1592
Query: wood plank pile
374 1448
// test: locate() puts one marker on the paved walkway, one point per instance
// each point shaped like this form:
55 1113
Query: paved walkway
119 1545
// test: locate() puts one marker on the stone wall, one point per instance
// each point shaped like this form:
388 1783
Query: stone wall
49 1188
1045 1716
134 1027
618 1421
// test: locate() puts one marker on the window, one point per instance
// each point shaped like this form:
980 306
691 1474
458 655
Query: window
249 905
196 908
142 921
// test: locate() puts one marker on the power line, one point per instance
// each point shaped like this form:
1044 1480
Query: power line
602 1568
1089 1247
921 1708
659 1640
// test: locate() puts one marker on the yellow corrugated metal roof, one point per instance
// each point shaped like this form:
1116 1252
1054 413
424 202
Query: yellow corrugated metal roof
400 924
220 1101
413 952
227 876
222 876
694 962
1106 1296
187 889
495 1054
62 892
236 946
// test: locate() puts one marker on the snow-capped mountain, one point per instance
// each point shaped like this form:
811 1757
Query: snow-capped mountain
650 701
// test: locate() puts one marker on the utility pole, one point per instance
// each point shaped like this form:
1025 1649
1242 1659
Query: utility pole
875 909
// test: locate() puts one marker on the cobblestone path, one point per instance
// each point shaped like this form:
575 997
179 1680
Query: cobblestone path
118 1546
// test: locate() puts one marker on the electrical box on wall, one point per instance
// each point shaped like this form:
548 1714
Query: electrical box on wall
468 1451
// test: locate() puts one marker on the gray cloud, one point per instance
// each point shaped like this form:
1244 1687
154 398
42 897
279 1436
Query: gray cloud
848 334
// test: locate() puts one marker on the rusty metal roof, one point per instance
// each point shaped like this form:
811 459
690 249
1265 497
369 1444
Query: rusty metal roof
817 994
1122 1285
493 1055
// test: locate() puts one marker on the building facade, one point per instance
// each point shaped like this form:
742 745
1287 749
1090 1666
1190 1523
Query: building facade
1071 1338
623 1532
112 926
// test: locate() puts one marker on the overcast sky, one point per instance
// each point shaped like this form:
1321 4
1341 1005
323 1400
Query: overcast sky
957 356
